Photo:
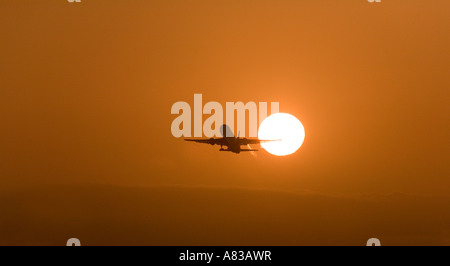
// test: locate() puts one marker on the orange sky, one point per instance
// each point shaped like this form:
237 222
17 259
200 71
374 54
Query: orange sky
86 92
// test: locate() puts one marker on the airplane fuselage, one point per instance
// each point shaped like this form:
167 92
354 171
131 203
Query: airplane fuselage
232 144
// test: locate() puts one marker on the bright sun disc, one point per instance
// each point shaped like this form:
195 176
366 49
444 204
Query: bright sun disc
287 131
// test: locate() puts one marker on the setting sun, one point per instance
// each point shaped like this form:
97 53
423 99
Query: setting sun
286 129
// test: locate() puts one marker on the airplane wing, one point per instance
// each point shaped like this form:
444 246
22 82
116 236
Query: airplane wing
249 150
210 141
245 141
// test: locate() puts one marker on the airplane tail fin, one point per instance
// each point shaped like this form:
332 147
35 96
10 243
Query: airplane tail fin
226 131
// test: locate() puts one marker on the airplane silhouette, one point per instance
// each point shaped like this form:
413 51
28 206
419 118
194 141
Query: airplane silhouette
232 143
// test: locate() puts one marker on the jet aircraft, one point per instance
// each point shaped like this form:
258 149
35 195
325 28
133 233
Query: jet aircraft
232 143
